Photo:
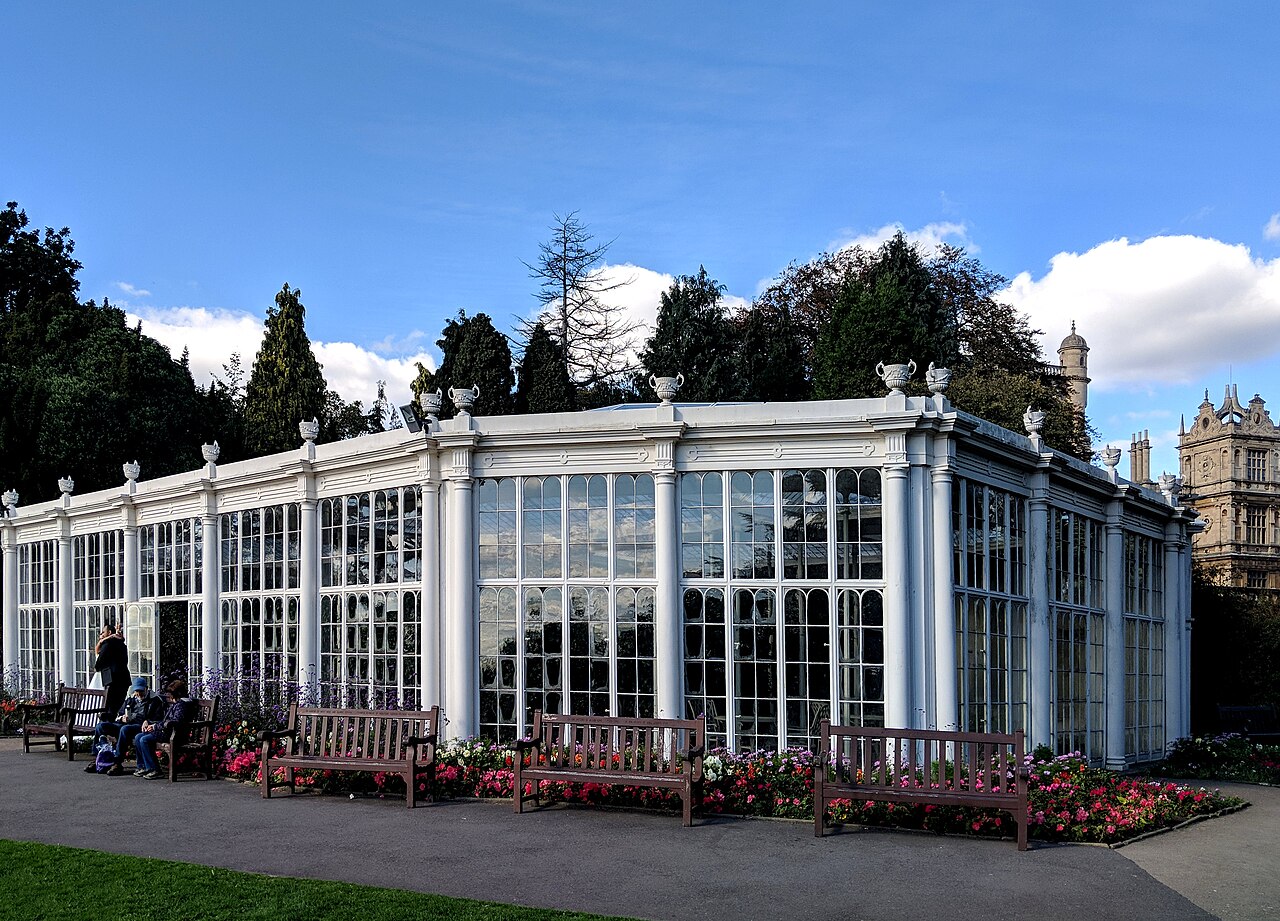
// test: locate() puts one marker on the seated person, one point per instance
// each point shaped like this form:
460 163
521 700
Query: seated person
139 707
180 709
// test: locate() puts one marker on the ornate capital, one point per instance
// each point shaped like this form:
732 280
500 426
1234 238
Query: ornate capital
895 449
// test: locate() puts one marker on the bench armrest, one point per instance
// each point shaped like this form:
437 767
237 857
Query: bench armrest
420 740
699 752
82 711
524 745
270 735
189 728
28 710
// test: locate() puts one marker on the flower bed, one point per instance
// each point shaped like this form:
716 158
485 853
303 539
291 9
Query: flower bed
1224 757
1069 801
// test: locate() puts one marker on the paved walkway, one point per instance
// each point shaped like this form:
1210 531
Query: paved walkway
647 866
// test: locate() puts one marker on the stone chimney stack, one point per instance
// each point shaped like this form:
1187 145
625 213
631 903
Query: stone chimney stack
1140 458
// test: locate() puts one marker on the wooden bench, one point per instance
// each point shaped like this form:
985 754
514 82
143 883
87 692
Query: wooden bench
72 712
862 763
193 739
397 741
660 753
1257 724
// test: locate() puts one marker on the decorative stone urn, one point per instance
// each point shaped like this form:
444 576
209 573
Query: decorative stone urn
938 379
10 499
666 387
132 471
1170 486
66 485
431 405
309 431
1110 456
463 398
1033 419
895 377
211 453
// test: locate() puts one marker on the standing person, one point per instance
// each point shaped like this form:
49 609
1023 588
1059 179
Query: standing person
141 707
180 710
113 664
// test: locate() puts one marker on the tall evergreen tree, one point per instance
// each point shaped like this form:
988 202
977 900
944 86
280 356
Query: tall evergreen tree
694 337
544 385
472 352
286 385
771 359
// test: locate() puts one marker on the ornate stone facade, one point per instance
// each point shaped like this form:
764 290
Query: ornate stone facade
1230 458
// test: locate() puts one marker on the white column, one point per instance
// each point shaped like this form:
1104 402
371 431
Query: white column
897 607
211 638
1114 673
461 697
1173 619
66 615
10 607
947 707
130 557
1185 625
431 544
668 649
1040 628
309 592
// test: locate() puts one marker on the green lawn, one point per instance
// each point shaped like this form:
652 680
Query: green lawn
44 881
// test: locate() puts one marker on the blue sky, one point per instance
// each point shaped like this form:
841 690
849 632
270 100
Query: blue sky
1118 162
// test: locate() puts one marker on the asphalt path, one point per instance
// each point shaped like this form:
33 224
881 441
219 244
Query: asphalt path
623 863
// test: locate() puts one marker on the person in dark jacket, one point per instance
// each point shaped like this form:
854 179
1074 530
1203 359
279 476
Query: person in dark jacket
179 710
140 707
113 664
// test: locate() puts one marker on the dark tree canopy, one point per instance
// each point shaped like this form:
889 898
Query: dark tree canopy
694 337
544 385
771 359
473 353
286 385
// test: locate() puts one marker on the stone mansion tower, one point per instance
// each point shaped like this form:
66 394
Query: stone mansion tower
1229 458
1073 359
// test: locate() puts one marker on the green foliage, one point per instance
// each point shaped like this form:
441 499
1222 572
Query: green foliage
1226 757
1234 647
80 392
544 385
286 385
49 881
694 337
771 358
473 353
1002 397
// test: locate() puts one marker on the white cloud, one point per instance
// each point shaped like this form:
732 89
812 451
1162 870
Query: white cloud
1166 310
131 290
1272 229
929 237
211 336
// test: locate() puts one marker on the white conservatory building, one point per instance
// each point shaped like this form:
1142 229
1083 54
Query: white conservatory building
887 561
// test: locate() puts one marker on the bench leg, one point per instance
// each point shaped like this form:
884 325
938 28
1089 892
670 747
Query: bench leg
266 778
408 787
1022 832
819 816
289 779
688 808
518 788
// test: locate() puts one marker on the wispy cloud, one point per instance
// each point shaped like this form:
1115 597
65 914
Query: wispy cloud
131 290
1272 229
928 237
1165 310
211 336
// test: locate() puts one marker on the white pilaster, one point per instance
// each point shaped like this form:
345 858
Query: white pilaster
210 572
66 613
9 534
309 589
460 627
1114 670
1173 618
1040 628
130 532
663 435
897 607
947 707
431 541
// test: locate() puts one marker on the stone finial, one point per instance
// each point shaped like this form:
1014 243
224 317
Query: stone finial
666 387
895 376
132 471
1111 458
10 500
431 404
211 453
464 398
66 485
1033 419
1170 486
309 431
938 379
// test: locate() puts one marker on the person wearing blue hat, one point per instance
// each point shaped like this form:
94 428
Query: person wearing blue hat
141 706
